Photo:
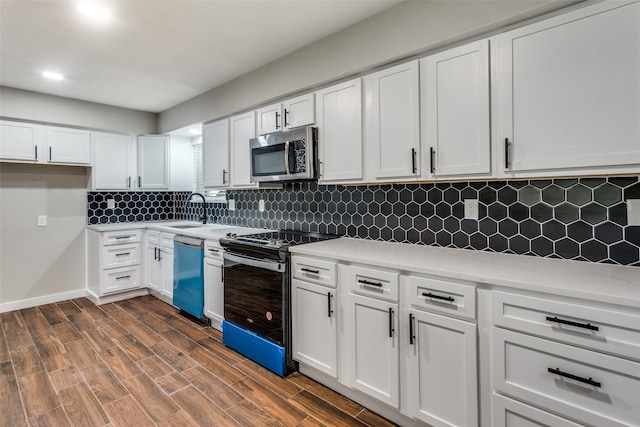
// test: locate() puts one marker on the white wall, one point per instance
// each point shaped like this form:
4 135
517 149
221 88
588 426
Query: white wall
40 107
405 30
38 264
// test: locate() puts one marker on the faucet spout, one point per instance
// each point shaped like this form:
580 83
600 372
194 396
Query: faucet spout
203 218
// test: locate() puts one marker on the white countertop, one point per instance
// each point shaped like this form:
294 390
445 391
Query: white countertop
203 231
607 283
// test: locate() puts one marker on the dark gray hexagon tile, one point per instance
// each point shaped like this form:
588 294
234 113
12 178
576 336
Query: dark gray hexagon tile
608 232
594 250
518 212
460 240
553 195
508 228
593 213
507 195
542 246
554 230
529 195
541 212
566 213
624 253
487 195
530 228
567 248
498 243
632 234
607 195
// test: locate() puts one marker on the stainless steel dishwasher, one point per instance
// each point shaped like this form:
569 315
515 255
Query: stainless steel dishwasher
188 275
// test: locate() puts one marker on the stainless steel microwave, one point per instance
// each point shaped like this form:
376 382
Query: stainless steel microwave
284 156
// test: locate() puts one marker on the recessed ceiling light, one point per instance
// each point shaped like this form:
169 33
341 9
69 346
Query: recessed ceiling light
94 10
194 131
53 76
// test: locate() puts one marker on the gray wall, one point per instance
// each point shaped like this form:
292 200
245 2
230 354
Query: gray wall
39 107
405 30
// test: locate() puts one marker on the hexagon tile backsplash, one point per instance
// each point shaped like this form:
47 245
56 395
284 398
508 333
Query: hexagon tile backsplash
579 218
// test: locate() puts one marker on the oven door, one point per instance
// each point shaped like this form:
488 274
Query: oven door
254 295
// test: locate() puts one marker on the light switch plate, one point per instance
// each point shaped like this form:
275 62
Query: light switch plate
471 209
261 205
633 211
232 204
111 203
42 220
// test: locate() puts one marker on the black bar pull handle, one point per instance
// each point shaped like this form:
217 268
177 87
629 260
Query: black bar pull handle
124 254
277 117
308 270
434 296
286 123
50 154
506 153
412 336
570 323
36 147
129 182
155 254
159 254
432 160
391 330
224 176
123 277
589 380
368 283
414 166
139 181
329 309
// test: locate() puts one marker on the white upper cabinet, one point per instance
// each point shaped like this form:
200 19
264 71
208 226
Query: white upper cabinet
243 128
112 165
292 113
455 111
569 93
20 141
393 123
340 147
69 146
153 162
215 154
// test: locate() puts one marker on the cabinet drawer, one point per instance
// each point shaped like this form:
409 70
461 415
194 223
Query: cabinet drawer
374 283
608 330
121 255
167 241
449 298
121 279
153 237
590 387
314 270
124 236
213 250
511 413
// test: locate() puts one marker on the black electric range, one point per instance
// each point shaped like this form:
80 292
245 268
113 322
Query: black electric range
271 244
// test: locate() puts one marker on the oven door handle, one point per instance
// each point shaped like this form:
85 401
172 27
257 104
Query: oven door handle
286 157
256 262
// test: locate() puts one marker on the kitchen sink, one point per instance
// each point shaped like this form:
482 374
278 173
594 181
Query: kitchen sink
202 226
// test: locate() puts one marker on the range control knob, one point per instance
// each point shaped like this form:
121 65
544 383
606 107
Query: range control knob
232 235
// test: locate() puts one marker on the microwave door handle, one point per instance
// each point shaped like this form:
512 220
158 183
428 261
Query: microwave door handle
286 157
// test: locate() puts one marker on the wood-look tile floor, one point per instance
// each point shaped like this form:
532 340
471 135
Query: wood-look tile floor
140 363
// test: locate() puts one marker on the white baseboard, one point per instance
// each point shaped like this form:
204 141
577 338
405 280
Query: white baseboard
46 299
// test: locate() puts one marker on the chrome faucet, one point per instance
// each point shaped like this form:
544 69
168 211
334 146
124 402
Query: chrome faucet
203 218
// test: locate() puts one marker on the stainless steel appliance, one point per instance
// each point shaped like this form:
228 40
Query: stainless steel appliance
257 296
188 277
284 156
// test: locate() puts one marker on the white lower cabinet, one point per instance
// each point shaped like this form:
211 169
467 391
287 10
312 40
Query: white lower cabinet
213 283
511 413
159 263
114 261
440 356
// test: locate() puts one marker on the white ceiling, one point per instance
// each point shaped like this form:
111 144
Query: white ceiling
153 54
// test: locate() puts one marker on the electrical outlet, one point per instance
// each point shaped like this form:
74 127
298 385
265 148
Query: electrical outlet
261 205
231 205
633 211
471 209
42 220
111 203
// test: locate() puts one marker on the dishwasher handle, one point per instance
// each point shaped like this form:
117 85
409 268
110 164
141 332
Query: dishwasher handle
192 242
280 267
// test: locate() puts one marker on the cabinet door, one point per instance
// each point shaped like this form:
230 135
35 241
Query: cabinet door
69 145
300 111
569 92
111 162
215 154
243 128
393 122
154 268
270 119
441 361
166 259
455 109
340 132
153 162
19 141
213 292
315 334
372 348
